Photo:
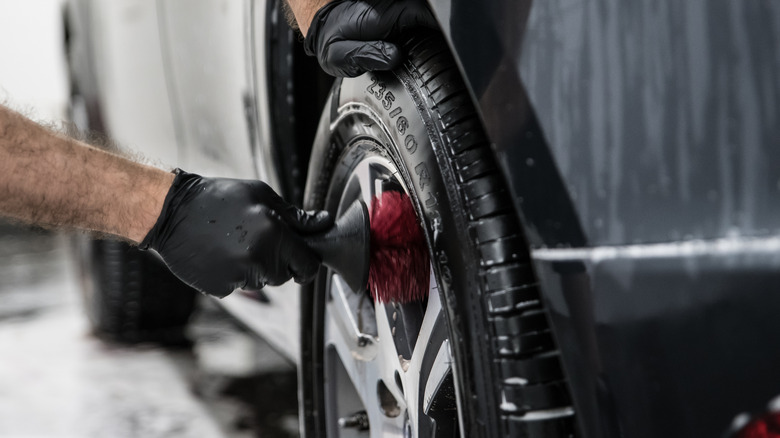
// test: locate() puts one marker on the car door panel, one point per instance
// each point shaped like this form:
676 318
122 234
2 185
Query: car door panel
208 74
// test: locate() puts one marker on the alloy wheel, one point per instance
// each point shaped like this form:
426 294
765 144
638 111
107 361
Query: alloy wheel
388 369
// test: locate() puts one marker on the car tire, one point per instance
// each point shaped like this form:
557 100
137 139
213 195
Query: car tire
130 296
418 127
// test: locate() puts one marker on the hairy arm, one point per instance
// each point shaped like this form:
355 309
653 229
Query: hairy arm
303 11
50 180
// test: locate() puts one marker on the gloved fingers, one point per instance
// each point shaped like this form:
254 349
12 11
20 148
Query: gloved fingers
312 221
297 219
305 221
255 278
293 259
264 194
367 20
352 58
303 266
416 14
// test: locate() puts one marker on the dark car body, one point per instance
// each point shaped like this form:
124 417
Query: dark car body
642 145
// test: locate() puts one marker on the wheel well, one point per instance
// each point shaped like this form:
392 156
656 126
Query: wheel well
311 93
298 89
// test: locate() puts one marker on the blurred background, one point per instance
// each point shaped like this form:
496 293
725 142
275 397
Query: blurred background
32 63
56 378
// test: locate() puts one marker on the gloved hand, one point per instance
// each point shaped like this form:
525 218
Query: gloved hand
219 234
350 37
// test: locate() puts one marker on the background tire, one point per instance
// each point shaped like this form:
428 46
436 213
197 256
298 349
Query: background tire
508 373
130 296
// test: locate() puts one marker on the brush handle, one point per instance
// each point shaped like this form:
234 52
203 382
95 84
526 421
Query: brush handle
345 247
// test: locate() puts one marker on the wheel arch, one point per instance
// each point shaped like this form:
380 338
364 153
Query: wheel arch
297 89
486 41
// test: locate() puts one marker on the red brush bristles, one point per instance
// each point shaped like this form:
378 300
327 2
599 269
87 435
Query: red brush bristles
400 265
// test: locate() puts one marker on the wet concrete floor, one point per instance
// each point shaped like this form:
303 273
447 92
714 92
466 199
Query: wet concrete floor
59 381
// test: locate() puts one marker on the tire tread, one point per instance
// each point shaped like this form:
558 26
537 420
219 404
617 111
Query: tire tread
523 347
136 298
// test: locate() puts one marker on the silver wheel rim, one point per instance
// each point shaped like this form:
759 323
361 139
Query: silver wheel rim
375 373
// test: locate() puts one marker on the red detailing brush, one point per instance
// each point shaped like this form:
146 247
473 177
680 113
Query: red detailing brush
400 266
385 251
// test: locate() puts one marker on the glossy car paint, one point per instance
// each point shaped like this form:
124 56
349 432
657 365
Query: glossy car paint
641 144
209 75
117 68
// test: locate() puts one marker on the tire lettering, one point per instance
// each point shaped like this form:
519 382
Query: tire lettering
401 125
444 269
435 220
424 178
374 82
389 99
411 144
381 91
431 201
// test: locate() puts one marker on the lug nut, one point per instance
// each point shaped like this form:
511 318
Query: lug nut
358 420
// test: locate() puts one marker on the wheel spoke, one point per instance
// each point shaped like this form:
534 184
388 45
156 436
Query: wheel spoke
369 177
433 312
441 368
353 367
362 375
432 358
389 427
388 354
365 365
349 309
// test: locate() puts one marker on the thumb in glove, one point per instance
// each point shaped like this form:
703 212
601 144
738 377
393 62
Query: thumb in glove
350 37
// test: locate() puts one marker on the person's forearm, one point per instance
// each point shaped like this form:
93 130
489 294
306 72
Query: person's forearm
304 11
49 180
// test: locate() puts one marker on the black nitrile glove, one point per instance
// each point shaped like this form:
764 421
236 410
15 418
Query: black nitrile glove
219 234
350 37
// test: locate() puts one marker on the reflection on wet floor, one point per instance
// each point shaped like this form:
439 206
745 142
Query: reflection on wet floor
56 380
